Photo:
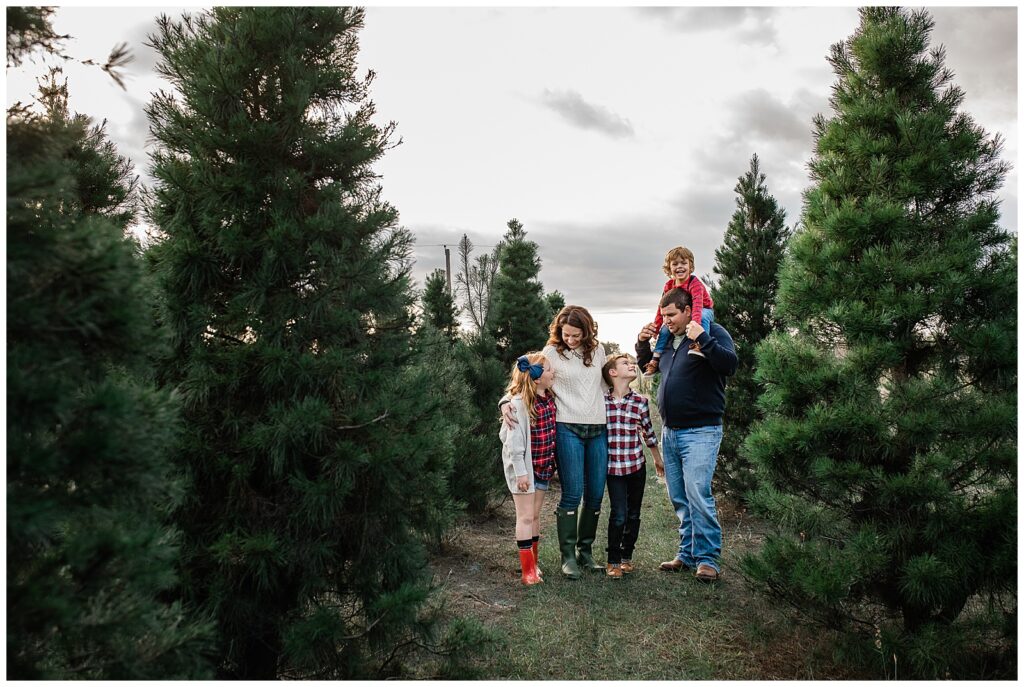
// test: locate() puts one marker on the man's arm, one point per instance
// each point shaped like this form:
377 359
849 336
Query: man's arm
719 351
644 354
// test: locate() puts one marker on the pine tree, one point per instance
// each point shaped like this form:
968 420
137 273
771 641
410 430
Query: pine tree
439 310
555 302
519 315
889 447
90 479
747 265
318 449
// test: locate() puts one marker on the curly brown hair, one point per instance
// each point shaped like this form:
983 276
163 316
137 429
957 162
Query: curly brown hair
574 316
678 253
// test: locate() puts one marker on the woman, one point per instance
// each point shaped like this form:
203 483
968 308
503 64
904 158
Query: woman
581 437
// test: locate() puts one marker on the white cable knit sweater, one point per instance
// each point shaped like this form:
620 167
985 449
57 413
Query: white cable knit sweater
579 390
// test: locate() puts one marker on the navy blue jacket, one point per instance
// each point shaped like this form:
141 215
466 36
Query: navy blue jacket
692 391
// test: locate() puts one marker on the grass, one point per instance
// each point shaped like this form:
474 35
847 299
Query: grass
650 625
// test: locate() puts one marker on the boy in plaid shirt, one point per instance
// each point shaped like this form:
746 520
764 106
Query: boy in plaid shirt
629 420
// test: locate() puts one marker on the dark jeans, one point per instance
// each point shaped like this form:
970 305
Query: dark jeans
626 493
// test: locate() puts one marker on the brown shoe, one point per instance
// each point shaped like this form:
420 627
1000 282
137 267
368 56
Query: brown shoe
614 571
651 367
705 573
674 565
627 567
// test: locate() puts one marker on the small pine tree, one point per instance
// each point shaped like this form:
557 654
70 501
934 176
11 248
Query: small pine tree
90 479
747 265
889 449
519 316
318 449
439 310
555 302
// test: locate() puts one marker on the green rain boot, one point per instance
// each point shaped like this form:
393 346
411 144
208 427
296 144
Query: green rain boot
585 541
565 521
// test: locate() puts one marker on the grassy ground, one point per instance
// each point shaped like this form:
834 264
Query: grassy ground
651 625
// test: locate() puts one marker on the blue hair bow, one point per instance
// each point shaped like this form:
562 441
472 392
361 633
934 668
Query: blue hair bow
536 370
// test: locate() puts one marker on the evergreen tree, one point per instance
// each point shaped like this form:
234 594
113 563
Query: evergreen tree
318 450
90 479
519 315
555 302
889 447
747 265
439 310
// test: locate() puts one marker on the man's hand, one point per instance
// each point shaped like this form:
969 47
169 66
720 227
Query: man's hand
508 416
647 332
693 330
523 483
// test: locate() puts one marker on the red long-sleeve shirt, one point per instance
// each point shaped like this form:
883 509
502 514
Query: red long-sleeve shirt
699 294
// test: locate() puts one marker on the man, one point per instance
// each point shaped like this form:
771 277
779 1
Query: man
691 400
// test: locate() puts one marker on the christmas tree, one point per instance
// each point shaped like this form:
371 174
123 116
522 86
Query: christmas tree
889 451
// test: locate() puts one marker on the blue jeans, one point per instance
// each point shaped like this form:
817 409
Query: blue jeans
707 316
690 459
582 467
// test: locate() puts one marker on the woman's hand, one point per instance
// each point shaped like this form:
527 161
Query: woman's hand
523 483
508 416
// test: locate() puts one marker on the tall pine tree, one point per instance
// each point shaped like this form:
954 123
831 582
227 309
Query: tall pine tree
889 449
519 315
747 265
90 477
318 451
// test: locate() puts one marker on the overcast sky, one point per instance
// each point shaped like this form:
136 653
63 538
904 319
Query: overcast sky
611 133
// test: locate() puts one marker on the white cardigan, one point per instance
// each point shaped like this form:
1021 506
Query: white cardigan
516 455
579 390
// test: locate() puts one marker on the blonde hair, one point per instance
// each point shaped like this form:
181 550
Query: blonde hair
521 384
678 253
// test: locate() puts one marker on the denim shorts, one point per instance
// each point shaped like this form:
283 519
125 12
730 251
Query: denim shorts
540 485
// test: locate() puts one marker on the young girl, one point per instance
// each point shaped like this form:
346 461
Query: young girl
528 453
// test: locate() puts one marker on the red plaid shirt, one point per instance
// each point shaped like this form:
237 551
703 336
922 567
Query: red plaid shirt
628 420
542 437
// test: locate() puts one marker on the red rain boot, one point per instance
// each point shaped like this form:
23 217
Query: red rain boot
536 560
529 564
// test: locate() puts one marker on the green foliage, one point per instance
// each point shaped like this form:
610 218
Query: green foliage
439 310
747 265
477 475
888 450
555 302
520 315
318 448
29 29
90 480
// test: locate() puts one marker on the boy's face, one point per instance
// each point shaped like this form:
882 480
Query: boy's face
624 369
681 269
